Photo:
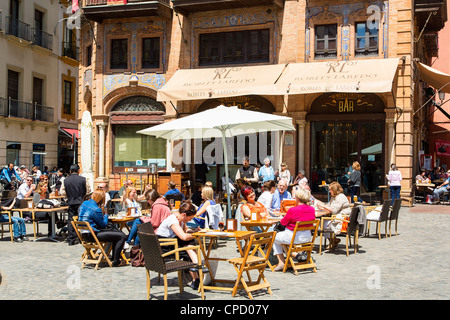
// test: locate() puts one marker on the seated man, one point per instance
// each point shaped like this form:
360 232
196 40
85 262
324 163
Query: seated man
280 194
126 183
444 187
173 189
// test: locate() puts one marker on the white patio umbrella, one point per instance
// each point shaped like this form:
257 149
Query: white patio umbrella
87 148
220 122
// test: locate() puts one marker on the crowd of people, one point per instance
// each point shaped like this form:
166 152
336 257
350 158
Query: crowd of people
437 176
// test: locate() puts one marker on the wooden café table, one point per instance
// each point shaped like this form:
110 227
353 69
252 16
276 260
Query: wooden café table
237 235
122 221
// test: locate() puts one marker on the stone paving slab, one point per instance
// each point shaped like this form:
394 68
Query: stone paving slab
412 265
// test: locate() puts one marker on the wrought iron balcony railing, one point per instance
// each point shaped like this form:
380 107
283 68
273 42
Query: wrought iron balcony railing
42 39
26 110
70 50
17 28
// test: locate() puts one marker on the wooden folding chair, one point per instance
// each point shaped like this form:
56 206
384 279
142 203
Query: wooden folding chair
308 247
95 250
7 223
251 261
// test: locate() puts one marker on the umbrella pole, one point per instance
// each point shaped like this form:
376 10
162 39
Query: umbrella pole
225 156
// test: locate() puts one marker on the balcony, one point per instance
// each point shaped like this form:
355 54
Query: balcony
186 7
435 11
98 10
18 28
70 50
26 110
42 39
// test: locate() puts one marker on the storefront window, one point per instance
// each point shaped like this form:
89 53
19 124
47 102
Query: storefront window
336 145
132 149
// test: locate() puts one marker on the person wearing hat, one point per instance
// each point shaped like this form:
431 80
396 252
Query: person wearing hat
23 172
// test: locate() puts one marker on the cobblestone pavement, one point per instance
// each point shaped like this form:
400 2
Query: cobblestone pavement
412 265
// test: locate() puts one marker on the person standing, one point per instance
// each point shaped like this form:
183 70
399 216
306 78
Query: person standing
355 180
394 177
266 172
75 187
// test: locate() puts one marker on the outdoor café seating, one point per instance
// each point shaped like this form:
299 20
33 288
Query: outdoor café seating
379 216
154 261
95 251
252 261
307 247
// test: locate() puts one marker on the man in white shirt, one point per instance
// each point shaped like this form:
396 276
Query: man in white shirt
26 189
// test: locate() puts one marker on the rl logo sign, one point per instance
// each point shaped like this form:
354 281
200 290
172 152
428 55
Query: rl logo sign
224 73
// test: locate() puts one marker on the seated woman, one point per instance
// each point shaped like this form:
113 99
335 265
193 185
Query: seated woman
252 206
301 212
19 228
338 204
130 200
42 193
265 198
174 226
208 200
160 211
92 211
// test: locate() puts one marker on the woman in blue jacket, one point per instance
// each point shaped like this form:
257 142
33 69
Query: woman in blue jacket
92 211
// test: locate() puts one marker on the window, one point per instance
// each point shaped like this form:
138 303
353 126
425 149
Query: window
150 53
366 40
132 149
325 41
67 101
119 54
88 55
12 152
13 85
249 46
13 93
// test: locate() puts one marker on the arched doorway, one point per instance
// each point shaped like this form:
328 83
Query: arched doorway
347 127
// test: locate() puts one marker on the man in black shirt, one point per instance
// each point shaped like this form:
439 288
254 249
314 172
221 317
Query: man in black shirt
75 187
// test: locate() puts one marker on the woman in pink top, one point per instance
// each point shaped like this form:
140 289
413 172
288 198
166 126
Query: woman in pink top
301 212
394 177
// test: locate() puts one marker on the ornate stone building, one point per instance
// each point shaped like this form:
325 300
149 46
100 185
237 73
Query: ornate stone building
130 50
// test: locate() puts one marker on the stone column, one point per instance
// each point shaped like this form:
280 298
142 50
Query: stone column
390 154
301 125
101 149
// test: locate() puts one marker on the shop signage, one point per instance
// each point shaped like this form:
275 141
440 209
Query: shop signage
253 103
343 103
442 148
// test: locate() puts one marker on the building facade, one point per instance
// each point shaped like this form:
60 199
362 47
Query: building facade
128 55
38 91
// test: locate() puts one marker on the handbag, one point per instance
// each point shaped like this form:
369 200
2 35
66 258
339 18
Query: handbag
48 203
278 227
137 257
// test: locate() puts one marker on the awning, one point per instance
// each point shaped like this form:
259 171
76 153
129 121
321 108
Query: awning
70 132
356 76
370 75
221 82
437 79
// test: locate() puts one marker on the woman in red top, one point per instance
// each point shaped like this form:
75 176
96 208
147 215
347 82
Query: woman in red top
252 205
301 212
